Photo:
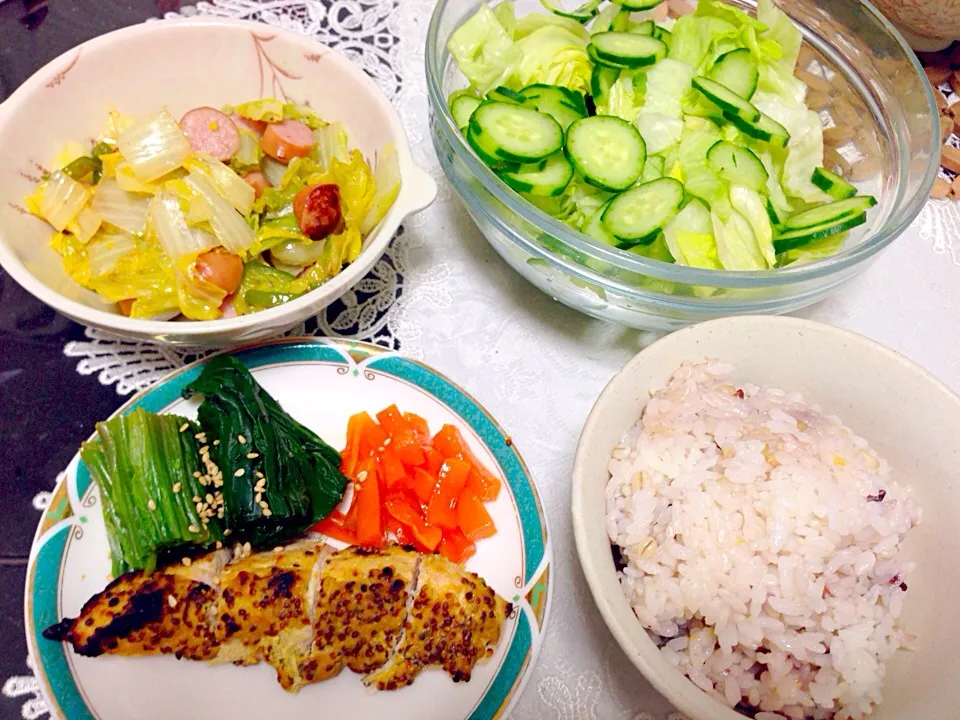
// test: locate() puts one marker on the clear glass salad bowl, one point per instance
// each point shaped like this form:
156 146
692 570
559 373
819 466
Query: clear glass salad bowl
865 82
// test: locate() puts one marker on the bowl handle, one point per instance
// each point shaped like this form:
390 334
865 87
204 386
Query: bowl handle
419 190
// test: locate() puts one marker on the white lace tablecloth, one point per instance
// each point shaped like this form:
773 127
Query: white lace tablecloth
443 295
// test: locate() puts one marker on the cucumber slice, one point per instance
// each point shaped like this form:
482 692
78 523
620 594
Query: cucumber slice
550 181
636 216
726 99
832 184
766 129
738 71
592 54
607 151
737 165
485 154
462 108
562 112
505 94
582 14
663 35
628 49
638 4
601 81
793 239
595 228
563 104
829 212
612 18
515 133
644 28
775 219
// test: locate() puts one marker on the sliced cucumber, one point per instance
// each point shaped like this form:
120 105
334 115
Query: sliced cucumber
607 151
775 218
627 49
505 94
612 18
766 129
561 103
829 212
737 165
487 155
583 14
737 70
595 228
462 108
601 81
515 133
592 54
726 99
644 28
551 181
663 35
637 215
793 239
832 184
638 4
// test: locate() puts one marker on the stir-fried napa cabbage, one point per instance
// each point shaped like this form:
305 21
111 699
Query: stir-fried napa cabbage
136 213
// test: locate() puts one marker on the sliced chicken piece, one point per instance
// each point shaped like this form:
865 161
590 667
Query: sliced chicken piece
266 609
454 622
361 608
168 612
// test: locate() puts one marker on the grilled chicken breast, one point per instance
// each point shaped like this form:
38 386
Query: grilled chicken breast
149 614
453 622
305 610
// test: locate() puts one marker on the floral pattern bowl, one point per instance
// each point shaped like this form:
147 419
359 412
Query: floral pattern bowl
182 64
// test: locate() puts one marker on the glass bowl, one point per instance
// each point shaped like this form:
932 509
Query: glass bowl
869 89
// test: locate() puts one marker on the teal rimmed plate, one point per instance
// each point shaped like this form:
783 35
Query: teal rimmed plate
320 382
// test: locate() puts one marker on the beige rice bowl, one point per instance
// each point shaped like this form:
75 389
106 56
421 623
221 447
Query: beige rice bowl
760 543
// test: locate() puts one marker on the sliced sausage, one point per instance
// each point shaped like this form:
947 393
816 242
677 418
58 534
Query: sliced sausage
227 308
286 140
222 268
211 132
317 209
258 181
254 126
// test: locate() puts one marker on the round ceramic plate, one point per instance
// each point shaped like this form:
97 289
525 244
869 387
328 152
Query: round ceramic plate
320 383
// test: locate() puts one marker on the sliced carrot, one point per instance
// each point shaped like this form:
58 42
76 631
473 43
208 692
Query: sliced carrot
351 453
419 426
406 444
442 508
336 526
449 442
456 546
472 516
391 420
372 437
367 502
432 461
423 484
393 471
406 510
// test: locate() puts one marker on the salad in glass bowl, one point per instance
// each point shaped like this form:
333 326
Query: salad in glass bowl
686 140
222 212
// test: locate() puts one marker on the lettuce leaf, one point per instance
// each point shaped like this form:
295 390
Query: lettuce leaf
689 237
552 55
483 50
737 245
751 206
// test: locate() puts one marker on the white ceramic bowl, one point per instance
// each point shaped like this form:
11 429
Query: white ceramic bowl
182 64
906 414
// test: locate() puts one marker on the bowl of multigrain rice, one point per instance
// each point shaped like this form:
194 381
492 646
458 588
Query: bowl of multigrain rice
764 509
